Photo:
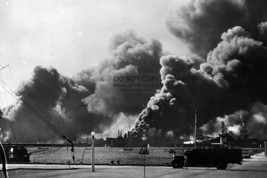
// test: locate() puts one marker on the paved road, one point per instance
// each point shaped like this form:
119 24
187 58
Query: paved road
255 167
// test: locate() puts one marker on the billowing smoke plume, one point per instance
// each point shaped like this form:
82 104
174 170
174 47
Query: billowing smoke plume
200 23
230 84
89 101
231 35
131 56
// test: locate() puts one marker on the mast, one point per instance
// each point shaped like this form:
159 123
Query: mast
244 131
195 139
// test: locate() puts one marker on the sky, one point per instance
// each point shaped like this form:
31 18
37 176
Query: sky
72 35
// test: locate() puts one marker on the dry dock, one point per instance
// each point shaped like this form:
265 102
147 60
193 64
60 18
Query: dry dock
254 167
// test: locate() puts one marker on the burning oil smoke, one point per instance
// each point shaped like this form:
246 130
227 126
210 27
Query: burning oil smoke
89 101
229 36
131 56
200 23
233 77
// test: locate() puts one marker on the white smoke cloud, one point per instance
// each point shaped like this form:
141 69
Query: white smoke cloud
259 118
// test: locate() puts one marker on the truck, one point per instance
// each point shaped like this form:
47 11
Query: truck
16 154
218 156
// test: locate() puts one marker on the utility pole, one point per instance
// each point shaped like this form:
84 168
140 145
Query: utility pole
2 129
4 162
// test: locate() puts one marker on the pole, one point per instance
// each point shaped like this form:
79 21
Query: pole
3 155
144 166
265 148
93 154
195 141
2 128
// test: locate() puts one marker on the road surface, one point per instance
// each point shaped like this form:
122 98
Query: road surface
255 167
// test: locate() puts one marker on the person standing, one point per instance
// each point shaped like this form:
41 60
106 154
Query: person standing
185 160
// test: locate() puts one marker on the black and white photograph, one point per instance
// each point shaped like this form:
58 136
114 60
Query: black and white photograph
133 88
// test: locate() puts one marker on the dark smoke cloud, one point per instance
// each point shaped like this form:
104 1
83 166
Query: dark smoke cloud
226 80
232 79
42 93
131 56
89 101
185 89
200 23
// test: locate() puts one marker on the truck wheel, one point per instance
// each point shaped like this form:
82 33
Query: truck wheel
175 164
221 166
